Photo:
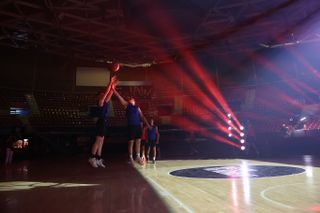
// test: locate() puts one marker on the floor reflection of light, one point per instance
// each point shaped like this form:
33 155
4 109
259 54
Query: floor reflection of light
234 192
308 167
26 185
309 171
245 182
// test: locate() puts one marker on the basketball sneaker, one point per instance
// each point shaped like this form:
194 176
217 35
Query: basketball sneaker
100 163
93 162
140 160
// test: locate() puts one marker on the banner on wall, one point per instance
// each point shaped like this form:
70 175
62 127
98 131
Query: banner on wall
92 76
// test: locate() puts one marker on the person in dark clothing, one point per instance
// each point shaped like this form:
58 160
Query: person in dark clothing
153 140
9 149
101 126
134 116
144 147
10 142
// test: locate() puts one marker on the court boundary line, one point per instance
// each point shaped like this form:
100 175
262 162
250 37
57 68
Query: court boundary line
262 194
170 195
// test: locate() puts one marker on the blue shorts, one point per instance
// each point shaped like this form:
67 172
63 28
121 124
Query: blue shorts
152 143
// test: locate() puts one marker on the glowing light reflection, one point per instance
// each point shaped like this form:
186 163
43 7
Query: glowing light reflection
27 185
234 193
246 182
309 171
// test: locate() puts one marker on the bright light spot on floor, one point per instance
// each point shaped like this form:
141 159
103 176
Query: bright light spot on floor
26 185
309 171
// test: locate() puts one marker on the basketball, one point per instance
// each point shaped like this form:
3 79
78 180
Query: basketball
115 67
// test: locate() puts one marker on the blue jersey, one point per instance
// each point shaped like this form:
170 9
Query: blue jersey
104 111
152 133
133 115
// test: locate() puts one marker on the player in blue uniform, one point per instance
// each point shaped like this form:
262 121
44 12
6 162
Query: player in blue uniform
134 116
101 126
153 139
143 148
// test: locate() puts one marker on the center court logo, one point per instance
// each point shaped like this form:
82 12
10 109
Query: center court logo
242 171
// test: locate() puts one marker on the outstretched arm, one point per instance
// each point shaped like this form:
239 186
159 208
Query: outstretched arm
105 95
143 118
121 99
108 92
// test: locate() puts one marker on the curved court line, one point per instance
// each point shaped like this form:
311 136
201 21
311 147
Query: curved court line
171 196
262 194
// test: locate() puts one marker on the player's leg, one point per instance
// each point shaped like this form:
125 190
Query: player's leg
137 149
94 152
99 153
95 147
130 142
137 137
130 149
148 150
154 153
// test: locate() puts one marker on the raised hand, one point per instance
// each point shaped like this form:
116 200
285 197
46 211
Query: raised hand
114 79
114 84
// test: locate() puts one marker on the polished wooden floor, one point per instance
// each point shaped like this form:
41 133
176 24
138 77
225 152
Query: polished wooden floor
285 193
71 185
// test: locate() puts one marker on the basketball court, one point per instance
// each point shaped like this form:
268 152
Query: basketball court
216 185
222 95
234 185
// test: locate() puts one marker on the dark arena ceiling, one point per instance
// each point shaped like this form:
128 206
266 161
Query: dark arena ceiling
145 31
